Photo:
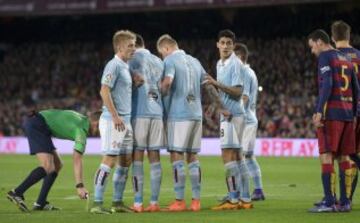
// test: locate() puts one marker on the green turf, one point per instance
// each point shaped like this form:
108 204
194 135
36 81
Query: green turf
291 186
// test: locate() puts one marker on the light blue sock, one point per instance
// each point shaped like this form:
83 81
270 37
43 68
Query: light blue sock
119 182
155 178
254 172
232 180
195 176
138 181
244 186
100 182
179 179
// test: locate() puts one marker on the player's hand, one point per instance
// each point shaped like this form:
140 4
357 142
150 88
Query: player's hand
227 115
210 110
82 193
119 123
355 122
210 80
138 80
317 120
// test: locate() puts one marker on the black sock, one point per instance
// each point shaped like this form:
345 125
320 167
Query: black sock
356 159
47 183
36 175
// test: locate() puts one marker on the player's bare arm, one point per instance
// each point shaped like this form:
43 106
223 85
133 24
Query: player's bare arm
165 85
211 91
138 80
78 173
234 91
108 102
317 120
245 99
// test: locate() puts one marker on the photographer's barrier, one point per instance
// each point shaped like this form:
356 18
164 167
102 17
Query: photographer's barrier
209 146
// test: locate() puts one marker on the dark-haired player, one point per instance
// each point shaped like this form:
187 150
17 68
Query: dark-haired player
333 118
39 128
340 34
230 76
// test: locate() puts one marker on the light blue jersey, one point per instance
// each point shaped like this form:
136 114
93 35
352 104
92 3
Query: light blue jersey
250 90
116 75
185 95
146 99
231 73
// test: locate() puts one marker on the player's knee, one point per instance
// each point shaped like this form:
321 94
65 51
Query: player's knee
139 155
127 162
48 167
227 155
154 156
191 157
58 167
326 158
109 160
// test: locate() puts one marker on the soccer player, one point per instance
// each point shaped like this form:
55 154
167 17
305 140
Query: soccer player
230 76
114 124
183 75
39 128
147 121
340 34
251 123
333 118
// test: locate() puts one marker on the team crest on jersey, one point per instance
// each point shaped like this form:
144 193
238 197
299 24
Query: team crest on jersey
342 58
353 55
116 144
108 78
324 69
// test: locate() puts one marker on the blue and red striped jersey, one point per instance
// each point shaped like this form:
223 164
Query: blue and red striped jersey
338 86
354 55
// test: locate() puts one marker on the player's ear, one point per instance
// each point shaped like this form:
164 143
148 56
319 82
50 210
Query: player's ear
232 45
119 47
319 42
332 39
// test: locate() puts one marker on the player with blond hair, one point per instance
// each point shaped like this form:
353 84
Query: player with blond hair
114 124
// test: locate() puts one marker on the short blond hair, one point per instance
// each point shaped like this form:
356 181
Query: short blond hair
166 39
121 36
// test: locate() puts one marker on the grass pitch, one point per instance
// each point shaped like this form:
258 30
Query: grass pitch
291 185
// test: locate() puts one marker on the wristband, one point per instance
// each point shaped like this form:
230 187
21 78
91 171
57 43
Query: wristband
79 185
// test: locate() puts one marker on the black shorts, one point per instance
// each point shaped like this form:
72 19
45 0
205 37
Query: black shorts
38 134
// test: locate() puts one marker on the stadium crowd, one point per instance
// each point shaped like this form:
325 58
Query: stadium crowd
67 76
58 61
